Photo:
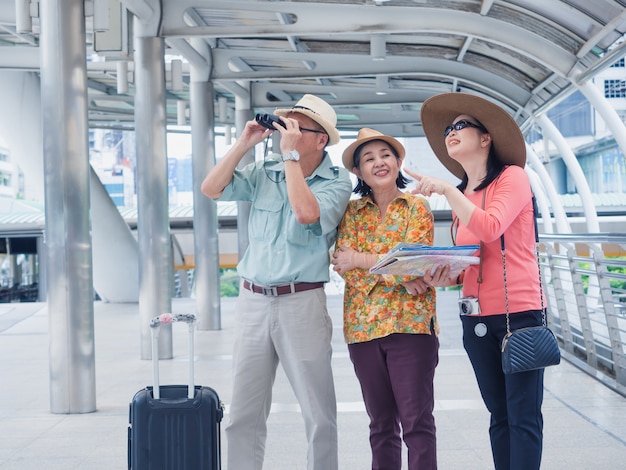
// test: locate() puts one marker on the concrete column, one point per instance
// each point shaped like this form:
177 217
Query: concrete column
43 268
243 113
205 220
68 239
155 251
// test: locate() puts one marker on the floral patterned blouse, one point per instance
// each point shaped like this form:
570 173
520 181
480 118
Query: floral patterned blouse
377 305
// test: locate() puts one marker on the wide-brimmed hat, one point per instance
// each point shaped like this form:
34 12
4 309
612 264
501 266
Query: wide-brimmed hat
318 110
439 111
365 135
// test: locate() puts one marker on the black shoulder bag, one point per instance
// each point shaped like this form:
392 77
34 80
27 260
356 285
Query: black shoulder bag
534 347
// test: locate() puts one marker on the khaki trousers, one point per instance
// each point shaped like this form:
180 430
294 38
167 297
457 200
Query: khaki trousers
295 330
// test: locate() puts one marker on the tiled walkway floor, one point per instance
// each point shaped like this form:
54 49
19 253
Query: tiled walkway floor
584 420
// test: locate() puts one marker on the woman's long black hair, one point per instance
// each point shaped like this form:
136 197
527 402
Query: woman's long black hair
362 188
494 168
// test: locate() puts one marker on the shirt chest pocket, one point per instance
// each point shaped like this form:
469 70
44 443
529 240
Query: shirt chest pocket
298 234
265 219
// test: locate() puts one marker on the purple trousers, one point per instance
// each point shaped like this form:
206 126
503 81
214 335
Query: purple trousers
396 374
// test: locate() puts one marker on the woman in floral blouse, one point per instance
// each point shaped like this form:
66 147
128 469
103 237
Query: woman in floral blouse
390 323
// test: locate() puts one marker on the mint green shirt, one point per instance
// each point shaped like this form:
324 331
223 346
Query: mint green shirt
280 249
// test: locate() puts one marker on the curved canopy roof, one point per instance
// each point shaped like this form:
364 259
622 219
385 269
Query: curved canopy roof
375 61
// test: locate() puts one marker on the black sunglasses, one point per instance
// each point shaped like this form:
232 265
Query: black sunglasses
462 124
312 130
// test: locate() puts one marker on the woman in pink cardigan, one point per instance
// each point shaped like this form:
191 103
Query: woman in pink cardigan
481 144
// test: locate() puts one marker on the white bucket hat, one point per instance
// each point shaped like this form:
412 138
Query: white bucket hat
318 110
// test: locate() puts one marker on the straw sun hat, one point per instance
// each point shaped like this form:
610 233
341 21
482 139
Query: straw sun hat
439 111
366 135
318 110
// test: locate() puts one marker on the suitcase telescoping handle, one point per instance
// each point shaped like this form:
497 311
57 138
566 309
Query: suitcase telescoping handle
155 326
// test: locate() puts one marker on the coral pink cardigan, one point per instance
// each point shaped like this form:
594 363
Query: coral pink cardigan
509 210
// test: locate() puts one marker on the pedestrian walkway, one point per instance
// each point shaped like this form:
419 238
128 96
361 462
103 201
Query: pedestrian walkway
584 420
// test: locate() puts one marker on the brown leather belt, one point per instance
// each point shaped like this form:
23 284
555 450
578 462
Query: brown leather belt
282 289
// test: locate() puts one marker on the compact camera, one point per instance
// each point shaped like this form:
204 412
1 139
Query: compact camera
469 306
266 121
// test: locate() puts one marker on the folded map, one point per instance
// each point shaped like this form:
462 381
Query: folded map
412 259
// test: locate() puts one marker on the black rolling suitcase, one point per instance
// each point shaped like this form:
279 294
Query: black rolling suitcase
174 427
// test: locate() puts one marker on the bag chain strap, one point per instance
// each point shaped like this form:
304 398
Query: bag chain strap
506 296
544 320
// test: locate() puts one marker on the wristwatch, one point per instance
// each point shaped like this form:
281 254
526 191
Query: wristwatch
291 155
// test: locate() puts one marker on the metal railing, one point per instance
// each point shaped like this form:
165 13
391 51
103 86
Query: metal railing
584 279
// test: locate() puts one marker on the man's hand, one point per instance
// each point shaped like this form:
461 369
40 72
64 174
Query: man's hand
253 133
290 134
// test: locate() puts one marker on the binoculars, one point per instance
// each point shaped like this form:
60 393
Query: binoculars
266 121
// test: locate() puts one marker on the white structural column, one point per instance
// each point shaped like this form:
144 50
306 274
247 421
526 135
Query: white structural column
607 112
243 113
205 220
551 132
153 229
115 250
542 201
562 224
68 237
20 95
